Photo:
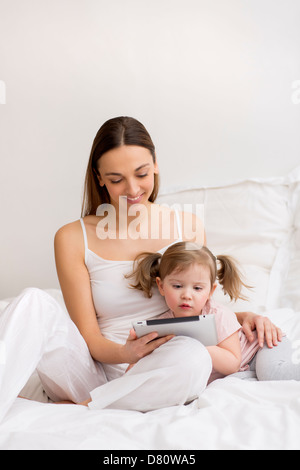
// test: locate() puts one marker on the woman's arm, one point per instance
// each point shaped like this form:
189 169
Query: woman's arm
266 330
226 356
75 285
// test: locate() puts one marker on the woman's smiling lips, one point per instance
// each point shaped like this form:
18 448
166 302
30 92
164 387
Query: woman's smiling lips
134 200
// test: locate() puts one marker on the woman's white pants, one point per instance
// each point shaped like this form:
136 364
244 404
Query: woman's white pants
36 334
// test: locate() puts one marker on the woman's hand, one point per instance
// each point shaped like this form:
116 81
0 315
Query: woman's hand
136 348
266 330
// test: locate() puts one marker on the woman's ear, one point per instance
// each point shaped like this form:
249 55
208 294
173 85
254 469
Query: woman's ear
160 285
98 176
156 169
100 180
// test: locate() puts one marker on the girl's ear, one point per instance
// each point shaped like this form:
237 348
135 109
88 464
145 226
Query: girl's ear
213 289
160 285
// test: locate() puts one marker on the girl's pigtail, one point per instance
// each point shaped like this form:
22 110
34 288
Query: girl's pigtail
229 276
145 271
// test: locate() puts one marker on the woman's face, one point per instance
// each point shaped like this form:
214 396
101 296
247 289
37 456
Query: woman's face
127 172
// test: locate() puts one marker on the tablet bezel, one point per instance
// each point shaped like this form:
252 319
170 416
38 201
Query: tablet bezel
200 327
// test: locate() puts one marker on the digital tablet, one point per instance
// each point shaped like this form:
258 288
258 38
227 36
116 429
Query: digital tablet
200 327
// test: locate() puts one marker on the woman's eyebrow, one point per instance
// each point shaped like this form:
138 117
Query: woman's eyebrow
112 174
142 166
120 174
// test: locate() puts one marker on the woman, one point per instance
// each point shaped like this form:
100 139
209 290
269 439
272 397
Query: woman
91 353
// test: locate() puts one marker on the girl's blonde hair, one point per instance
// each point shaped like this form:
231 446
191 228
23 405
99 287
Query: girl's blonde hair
178 257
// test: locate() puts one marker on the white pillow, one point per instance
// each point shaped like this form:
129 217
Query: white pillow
251 221
290 289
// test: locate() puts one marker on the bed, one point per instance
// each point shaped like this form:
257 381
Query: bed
258 222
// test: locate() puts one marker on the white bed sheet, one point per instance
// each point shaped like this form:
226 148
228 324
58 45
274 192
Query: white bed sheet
232 413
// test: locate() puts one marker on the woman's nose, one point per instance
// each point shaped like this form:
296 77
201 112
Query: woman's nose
132 188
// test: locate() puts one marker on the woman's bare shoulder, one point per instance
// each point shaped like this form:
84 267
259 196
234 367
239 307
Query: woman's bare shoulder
72 229
192 228
69 238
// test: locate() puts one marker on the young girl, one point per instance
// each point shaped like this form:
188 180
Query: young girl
186 276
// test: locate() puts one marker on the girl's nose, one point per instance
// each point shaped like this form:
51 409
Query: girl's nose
186 294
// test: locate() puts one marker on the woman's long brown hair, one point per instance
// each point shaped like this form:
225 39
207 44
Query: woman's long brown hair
113 133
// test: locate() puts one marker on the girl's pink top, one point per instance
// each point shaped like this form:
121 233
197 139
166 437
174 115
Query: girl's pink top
227 324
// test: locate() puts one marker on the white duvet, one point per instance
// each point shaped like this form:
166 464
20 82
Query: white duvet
258 222
232 413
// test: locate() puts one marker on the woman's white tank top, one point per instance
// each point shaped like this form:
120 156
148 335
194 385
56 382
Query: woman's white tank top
117 305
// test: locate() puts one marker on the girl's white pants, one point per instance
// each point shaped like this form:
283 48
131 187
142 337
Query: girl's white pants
36 334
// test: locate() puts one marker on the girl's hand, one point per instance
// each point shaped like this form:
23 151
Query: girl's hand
266 330
136 348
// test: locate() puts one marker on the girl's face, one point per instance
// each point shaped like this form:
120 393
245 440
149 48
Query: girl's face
127 171
186 292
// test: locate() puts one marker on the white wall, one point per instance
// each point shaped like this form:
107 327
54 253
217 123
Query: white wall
211 80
